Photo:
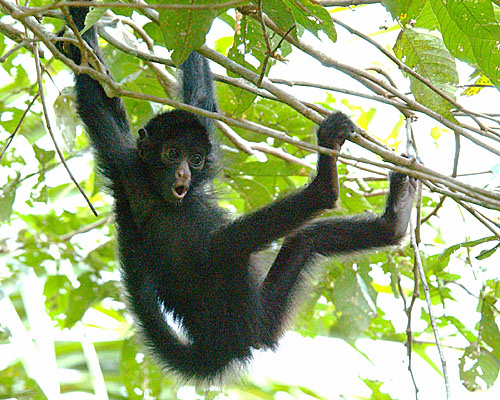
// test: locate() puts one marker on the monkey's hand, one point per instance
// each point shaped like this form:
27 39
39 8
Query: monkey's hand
334 130
332 134
78 14
399 202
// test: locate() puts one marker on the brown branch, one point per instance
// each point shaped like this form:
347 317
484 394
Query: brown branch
18 37
409 332
435 210
491 225
13 134
378 98
32 11
14 49
346 3
268 43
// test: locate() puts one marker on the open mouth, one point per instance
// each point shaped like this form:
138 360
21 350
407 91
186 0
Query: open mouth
179 191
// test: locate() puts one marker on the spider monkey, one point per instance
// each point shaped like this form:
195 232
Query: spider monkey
181 254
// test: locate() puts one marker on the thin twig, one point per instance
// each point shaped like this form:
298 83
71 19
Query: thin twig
425 286
51 133
384 73
268 43
483 219
141 32
13 134
409 331
8 53
435 210
378 98
86 228
466 196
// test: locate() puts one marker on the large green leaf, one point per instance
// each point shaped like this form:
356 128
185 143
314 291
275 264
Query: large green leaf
66 118
281 13
471 33
184 30
7 197
353 304
426 54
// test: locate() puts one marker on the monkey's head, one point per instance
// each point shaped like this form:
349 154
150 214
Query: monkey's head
176 151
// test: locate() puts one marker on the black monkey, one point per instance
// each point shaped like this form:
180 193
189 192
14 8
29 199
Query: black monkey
180 254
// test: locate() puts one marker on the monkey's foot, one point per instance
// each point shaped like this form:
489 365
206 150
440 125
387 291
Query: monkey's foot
334 131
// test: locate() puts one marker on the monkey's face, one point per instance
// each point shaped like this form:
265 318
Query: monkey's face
176 164
183 167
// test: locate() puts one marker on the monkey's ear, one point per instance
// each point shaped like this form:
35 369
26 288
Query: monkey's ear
143 143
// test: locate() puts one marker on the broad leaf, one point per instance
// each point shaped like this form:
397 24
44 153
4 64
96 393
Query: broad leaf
427 55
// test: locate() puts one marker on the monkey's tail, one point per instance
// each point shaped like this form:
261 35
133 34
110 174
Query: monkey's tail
191 361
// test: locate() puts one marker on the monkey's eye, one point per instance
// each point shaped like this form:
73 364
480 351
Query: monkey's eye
197 161
171 154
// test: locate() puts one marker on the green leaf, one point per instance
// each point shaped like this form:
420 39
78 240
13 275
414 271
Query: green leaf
352 305
281 13
478 365
7 197
138 373
236 101
427 55
469 244
56 292
404 10
43 156
184 30
420 349
471 32
353 201
94 14
484 254
375 386
489 330
426 19
88 293
467 333
313 17
255 194
66 117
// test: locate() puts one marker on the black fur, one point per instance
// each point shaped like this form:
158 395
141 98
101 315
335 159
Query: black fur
181 254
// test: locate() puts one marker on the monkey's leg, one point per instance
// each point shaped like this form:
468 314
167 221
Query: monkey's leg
329 237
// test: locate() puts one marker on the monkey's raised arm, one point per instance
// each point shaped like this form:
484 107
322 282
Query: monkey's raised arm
103 116
257 229
197 86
